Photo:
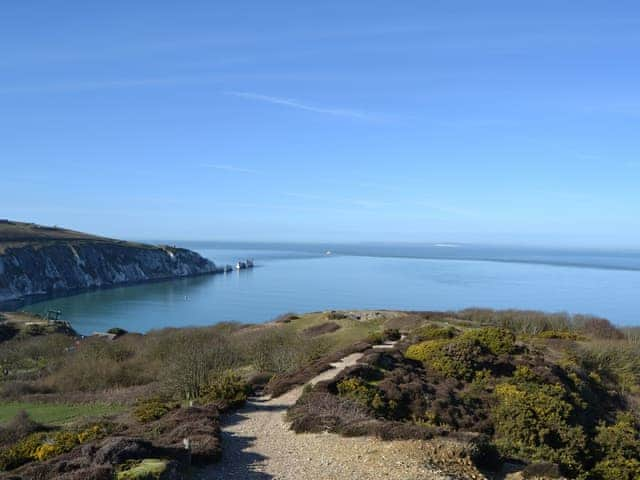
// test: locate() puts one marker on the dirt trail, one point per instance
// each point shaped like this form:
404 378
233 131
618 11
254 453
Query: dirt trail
258 445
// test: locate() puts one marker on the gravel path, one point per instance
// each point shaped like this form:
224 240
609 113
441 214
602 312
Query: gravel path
258 445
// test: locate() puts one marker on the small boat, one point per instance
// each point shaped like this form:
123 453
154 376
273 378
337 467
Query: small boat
241 265
249 263
328 253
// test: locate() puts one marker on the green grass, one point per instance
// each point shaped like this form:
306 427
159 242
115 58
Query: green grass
56 413
350 331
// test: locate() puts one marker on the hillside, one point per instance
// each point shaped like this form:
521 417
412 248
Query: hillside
477 394
47 261
19 234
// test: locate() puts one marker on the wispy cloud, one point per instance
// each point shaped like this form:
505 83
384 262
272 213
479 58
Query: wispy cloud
229 168
291 103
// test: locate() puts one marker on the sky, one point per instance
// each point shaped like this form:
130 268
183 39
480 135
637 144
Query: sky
413 121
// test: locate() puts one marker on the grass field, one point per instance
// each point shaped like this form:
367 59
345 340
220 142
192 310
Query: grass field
351 330
56 413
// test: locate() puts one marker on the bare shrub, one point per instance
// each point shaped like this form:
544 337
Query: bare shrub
320 411
280 350
527 322
37 355
595 327
99 364
194 357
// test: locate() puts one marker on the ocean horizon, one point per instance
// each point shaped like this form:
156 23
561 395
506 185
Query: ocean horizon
303 277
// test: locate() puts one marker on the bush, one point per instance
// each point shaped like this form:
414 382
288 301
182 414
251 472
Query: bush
600 328
118 332
494 340
152 409
618 446
228 388
559 335
617 469
334 315
281 349
455 358
518 321
365 394
616 362
42 446
434 332
7 330
98 364
533 421
391 334
375 338
22 452
192 358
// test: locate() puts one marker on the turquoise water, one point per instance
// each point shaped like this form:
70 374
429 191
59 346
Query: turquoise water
302 278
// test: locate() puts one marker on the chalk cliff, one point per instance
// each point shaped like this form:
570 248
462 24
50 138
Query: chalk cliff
50 264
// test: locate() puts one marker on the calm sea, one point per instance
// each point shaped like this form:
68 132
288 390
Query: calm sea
302 277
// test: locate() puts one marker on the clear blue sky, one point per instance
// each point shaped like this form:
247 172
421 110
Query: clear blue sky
464 121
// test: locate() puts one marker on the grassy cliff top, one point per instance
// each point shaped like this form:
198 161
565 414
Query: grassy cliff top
19 234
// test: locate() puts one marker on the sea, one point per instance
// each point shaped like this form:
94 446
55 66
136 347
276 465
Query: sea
313 277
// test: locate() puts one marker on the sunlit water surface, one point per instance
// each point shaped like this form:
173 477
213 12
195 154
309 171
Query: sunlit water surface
303 278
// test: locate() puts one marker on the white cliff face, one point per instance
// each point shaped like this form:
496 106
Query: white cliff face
61 268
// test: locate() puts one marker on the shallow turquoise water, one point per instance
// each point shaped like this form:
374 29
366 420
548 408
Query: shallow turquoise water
301 278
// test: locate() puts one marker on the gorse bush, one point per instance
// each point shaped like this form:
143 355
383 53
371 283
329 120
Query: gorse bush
451 358
534 322
494 340
533 421
44 445
150 409
228 388
618 447
616 362
434 332
460 357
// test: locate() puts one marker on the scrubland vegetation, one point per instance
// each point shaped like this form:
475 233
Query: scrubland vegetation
132 384
514 386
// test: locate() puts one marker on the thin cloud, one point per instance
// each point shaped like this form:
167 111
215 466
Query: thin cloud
291 103
229 168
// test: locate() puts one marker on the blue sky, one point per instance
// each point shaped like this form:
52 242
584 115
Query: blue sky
413 121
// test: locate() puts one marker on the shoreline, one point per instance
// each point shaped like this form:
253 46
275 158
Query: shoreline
12 305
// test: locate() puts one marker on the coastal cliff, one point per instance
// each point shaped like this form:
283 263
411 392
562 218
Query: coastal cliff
43 261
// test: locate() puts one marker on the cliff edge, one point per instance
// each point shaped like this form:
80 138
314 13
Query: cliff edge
49 261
